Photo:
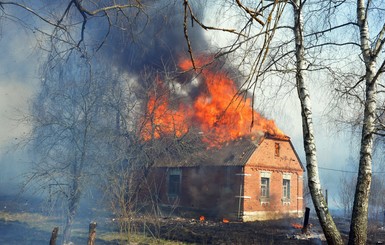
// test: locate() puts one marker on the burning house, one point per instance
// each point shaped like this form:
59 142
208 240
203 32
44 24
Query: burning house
248 169
247 179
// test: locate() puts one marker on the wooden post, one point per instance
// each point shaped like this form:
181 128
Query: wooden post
306 221
383 222
92 233
55 231
326 196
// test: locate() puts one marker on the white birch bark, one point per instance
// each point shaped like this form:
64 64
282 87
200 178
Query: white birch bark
358 226
330 230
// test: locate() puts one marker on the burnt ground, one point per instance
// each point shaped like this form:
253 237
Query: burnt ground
216 232
32 227
283 231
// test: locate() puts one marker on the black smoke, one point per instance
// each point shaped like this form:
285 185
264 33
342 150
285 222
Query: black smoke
153 38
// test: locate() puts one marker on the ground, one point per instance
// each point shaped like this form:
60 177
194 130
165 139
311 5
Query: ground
281 231
24 222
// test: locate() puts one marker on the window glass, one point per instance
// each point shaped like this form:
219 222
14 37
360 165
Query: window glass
174 182
286 189
265 186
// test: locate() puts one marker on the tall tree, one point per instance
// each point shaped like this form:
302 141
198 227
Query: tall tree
69 127
330 230
371 50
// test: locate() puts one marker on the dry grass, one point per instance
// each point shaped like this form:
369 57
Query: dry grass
22 217
35 221
136 239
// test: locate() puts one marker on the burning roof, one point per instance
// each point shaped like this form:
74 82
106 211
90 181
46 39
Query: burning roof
217 109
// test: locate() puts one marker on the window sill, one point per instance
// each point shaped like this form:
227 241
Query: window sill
264 200
285 202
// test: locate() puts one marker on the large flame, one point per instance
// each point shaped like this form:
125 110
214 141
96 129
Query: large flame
217 112
160 119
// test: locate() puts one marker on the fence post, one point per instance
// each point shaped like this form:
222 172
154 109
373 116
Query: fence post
306 221
54 233
92 233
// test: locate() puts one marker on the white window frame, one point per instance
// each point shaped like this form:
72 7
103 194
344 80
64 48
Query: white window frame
265 200
265 187
286 178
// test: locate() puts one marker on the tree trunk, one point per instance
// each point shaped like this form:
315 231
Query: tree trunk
67 229
329 228
359 221
72 209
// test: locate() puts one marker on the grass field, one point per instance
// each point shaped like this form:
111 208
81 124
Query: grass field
31 228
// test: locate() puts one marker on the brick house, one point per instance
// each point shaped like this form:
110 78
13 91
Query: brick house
247 180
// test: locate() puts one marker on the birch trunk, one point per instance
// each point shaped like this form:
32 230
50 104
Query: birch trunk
329 228
359 221
73 204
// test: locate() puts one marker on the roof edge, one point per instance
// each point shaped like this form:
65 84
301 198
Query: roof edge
277 137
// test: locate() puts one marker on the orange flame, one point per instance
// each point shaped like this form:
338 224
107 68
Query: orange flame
296 226
226 221
160 118
217 112
202 218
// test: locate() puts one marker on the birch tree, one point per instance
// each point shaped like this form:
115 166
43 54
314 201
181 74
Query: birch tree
360 100
330 230
370 53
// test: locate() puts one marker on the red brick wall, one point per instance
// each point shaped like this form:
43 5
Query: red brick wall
264 156
275 201
264 160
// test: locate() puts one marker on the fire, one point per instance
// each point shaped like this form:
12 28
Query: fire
296 226
202 218
160 118
216 112
226 221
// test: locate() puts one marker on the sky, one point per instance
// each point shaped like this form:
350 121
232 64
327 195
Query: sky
19 80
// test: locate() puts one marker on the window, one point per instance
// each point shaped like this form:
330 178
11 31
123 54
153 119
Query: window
276 152
286 189
265 186
174 182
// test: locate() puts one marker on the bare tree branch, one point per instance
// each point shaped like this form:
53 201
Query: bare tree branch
380 42
34 12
